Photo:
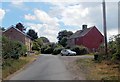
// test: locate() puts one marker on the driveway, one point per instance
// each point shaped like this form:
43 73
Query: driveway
46 67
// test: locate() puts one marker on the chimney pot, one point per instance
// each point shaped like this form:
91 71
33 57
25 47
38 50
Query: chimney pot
84 27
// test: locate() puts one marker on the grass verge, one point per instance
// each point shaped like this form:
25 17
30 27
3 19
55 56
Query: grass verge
11 65
105 70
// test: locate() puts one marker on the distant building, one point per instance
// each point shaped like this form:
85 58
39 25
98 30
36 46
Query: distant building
88 37
15 34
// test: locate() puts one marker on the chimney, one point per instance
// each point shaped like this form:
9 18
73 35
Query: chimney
84 27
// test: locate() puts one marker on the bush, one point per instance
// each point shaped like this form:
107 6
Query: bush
48 50
35 46
43 48
57 51
6 48
12 49
80 50
24 50
98 57
116 56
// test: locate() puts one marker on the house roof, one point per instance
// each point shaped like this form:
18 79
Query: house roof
81 33
18 31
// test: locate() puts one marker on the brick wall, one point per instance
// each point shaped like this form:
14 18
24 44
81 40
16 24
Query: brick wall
13 34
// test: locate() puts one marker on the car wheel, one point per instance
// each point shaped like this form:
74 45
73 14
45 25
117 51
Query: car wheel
68 54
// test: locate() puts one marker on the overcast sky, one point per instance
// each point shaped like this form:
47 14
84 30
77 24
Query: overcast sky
49 17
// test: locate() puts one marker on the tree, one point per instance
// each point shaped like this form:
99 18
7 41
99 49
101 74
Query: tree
64 34
20 27
39 41
63 42
45 40
35 46
32 34
2 28
117 38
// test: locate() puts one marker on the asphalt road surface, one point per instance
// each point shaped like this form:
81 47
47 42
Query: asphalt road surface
46 67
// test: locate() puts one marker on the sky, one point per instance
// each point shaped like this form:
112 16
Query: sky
48 17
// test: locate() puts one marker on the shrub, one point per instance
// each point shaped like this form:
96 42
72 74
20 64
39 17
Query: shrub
6 48
35 46
16 49
116 56
98 56
12 49
24 50
80 50
43 48
57 50
48 50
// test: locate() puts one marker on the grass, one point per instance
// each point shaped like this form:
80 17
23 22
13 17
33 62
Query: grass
105 70
11 65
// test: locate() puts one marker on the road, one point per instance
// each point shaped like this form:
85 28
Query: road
46 67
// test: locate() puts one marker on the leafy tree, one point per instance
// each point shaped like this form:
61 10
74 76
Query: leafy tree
20 27
2 28
118 43
32 34
45 40
39 41
63 35
117 54
63 42
35 46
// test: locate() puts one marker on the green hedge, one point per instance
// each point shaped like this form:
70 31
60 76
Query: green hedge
12 49
51 49
80 50
57 51
48 50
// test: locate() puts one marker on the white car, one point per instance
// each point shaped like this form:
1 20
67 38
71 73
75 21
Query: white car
68 52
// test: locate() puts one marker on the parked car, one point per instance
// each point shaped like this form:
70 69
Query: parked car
68 52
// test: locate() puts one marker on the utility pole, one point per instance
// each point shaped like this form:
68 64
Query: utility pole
104 26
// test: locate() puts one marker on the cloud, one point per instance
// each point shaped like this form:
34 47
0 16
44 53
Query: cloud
48 26
29 17
112 32
2 14
73 14
20 2
45 18
90 13
44 30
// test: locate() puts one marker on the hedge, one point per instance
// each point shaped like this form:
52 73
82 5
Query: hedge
57 50
80 50
12 49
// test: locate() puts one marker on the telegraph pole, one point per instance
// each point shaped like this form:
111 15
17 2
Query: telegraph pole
104 26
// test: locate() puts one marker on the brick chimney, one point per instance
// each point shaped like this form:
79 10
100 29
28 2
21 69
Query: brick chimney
84 27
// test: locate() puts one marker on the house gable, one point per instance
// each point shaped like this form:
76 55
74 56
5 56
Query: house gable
88 37
15 34
93 39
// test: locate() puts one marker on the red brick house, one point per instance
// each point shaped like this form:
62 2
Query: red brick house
15 34
88 37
